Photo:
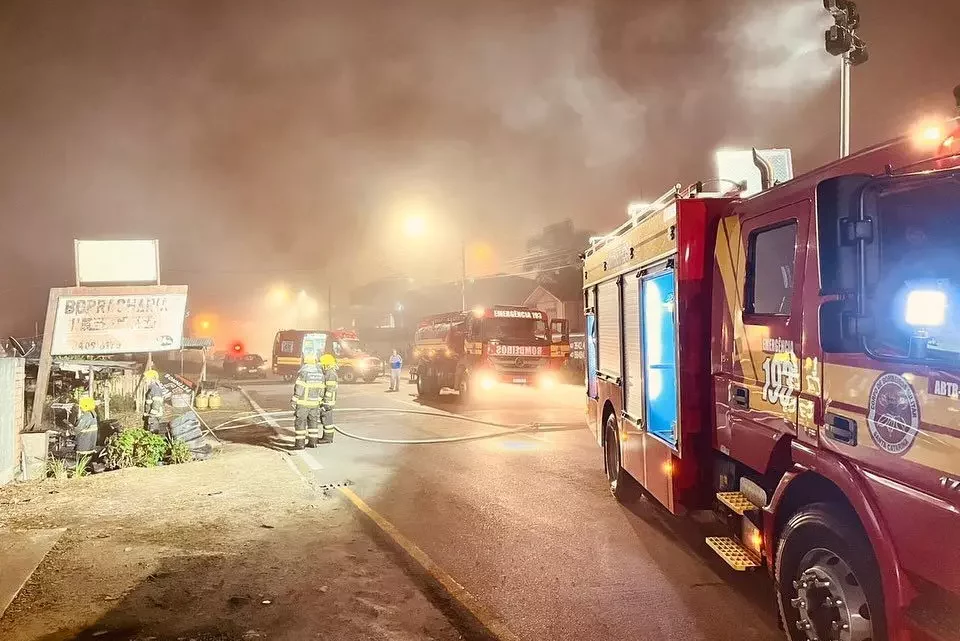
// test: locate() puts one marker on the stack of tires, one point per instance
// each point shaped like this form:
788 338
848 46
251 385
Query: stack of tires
186 427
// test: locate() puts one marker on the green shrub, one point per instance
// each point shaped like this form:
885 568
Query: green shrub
135 447
179 452
80 467
57 469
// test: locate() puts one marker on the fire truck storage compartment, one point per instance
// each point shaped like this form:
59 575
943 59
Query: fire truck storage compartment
608 328
659 329
632 352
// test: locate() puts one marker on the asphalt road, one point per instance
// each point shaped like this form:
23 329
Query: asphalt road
525 522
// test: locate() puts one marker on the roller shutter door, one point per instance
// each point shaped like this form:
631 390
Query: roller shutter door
632 354
608 327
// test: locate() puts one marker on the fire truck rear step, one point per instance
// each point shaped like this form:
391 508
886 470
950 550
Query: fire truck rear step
736 501
733 553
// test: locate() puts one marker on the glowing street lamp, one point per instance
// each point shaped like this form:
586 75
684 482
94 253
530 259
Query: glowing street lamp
415 226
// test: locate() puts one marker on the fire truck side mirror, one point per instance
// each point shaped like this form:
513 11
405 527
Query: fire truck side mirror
838 229
560 330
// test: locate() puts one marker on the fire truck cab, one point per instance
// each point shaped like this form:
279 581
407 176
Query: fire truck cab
476 350
791 360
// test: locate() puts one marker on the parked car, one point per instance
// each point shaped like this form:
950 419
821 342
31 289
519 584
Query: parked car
247 366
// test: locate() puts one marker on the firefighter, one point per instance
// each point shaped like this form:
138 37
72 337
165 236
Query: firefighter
329 365
86 429
308 392
153 401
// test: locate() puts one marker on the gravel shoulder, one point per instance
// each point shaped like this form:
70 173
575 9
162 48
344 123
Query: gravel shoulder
236 547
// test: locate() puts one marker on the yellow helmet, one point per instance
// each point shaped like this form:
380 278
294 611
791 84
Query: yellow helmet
327 361
309 359
87 404
151 375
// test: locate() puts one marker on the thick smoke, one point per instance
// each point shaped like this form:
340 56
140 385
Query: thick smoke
283 142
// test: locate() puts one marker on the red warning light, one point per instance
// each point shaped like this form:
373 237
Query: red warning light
237 347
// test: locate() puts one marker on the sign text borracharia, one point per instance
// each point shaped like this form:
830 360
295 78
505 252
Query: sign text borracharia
119 324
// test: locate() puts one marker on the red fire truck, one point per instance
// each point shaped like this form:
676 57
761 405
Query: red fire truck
792 361
473 350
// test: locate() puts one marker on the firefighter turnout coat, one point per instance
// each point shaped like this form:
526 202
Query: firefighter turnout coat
308 394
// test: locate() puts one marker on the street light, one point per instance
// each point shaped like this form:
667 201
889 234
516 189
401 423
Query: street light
842 40
415 226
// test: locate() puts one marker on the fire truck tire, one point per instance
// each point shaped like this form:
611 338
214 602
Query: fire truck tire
347 375
827 578
427 386
623 488
465 389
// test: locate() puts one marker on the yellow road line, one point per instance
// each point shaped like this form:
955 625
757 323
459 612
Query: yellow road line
485 617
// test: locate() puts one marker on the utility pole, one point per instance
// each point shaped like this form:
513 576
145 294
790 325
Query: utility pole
842 41
329 306
463 274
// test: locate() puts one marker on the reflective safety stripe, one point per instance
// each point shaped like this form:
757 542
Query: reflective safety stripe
329 429
307 402
88 430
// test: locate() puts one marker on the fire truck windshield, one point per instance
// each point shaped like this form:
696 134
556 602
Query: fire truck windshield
515 329
915 296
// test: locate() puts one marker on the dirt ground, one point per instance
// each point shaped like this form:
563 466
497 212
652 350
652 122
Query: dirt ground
236 547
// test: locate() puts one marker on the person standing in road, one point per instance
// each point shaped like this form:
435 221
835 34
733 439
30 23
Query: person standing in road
307 395
330 381
396 364
153 401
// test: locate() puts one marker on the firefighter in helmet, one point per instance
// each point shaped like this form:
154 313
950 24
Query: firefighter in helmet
153 401
329 366
86 428
308 393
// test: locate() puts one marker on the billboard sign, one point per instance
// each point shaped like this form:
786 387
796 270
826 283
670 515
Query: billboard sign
100 262
144 319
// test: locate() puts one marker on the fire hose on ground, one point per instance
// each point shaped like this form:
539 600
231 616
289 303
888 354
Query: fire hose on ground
506 429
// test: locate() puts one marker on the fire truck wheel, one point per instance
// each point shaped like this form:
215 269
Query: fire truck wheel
828 581
623 488
465 389
347 375
427 385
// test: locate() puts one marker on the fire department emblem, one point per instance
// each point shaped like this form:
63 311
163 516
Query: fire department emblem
894 414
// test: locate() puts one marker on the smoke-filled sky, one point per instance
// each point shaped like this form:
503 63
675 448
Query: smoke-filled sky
284 141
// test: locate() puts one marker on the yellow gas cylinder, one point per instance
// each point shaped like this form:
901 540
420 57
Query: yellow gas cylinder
214 401
202 402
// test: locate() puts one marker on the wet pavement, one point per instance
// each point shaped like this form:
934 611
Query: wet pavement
525 522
